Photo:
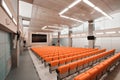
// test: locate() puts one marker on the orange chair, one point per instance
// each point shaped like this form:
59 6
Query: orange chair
68 60
62 62
53 65
73 67
62 72
55 58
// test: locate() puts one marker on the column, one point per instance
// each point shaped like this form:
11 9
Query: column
91 41
58 42
69 38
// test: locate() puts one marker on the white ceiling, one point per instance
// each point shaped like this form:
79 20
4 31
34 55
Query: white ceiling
46 12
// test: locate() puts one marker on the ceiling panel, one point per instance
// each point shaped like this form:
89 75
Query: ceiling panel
83 12
45 12
44 17
108 6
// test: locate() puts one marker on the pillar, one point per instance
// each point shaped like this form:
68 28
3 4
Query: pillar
58 42
69 38
90 33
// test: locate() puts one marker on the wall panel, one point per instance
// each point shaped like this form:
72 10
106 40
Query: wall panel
5 54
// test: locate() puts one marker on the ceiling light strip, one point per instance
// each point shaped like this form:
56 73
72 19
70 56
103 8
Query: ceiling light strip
99 33
71 18
70 6
113 32
96 8
6 8
67 8
14 21
55 27
44 27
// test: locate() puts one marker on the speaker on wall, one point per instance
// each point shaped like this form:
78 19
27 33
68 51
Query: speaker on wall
91 37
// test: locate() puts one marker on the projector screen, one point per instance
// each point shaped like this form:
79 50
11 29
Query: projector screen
36 38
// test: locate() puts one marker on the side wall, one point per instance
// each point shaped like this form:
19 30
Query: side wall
5 54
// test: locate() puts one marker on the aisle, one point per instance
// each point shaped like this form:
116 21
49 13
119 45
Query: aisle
26 69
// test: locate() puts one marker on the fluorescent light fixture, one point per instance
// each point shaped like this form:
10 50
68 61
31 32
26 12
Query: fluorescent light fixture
89 3
113 32
99 33
96 8
6 8
70 6
14 21
55 27
51 30
74 3
99 10
67 8
71 18
107 15
63 11
44 27
26 22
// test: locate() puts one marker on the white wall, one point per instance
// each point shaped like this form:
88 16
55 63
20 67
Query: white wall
79 42
64 42
104 23
81 28
108 43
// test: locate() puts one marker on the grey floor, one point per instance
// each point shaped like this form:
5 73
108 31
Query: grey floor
115 74
25 71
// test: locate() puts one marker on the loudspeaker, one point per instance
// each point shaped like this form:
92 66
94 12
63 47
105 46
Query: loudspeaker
91 37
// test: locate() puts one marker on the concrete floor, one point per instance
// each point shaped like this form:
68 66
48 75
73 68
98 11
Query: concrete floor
115 74
25 71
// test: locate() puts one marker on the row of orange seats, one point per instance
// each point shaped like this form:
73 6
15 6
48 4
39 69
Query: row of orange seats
73 67
53 65
51 51
99 70
52 58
